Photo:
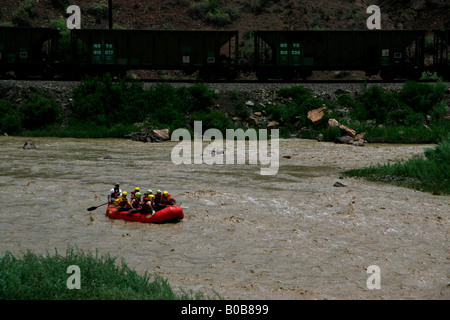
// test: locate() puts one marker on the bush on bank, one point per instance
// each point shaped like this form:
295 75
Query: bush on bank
38 277
430 172
416 114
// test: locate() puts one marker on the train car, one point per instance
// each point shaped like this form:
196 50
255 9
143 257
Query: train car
213 53
441 61
26 51
287 54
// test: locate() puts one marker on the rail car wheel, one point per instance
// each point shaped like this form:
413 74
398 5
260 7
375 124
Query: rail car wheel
230 74
288 75
387 75
444 74
207 75
262 75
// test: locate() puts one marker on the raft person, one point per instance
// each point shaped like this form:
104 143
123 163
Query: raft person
157 200
136 202
167 200
147 205
146 194
122 203
134 192
114 193
151 198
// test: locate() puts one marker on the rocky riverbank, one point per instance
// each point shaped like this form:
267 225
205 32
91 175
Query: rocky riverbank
245 104
253 95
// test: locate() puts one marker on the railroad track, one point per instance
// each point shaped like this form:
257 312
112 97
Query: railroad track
369 81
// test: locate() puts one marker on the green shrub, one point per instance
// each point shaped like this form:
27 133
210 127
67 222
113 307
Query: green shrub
11 123
209 11
346 100
213 120
258 6
21 18
11 119
430 173
39 111
422 97
36 277
218 18
98 10
200 97
439 111
296 111
297 93
232 12
375 103
107 103
198 10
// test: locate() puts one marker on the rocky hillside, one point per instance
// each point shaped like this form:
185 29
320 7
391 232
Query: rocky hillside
242 15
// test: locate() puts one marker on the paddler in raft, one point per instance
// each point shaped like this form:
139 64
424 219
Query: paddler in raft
114 193
166 200
122 203
145 206
135 202
136 190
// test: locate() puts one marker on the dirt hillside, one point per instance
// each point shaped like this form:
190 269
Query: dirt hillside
232 14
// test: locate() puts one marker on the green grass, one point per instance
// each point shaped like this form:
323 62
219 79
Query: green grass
415 133
39 277
430 172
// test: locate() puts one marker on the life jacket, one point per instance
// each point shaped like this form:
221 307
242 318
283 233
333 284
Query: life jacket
116 193
145 205
121 202
135 203
165 200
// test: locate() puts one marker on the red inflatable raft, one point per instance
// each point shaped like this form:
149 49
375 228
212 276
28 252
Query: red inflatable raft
173 212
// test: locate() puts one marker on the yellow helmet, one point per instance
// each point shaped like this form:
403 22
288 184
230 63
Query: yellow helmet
151 196
136 189
165 193
124 193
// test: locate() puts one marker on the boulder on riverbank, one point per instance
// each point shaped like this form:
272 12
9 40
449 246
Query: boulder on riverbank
149 135
349 135
29 144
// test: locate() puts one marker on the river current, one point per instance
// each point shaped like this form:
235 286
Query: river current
292 235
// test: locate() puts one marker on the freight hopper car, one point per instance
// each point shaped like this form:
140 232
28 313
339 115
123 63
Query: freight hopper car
289 54
441 61
26 51
211 53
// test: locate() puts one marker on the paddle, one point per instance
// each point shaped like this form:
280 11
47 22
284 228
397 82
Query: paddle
93 208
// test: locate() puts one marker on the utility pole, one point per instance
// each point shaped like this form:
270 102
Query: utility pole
110 14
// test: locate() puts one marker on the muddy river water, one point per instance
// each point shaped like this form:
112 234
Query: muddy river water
292 235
